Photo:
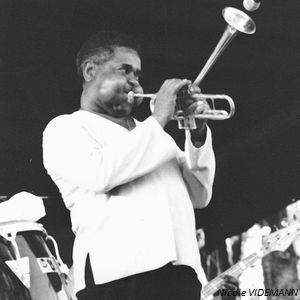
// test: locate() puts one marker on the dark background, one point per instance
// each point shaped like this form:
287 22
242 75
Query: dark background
257 151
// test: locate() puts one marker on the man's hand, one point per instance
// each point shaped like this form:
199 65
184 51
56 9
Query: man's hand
230 284
166 99
196 106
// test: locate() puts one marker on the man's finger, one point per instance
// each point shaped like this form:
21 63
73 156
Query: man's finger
194 89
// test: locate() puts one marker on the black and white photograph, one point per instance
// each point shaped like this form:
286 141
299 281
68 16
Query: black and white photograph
149 150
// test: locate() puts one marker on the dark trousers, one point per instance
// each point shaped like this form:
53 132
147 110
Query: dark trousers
167 283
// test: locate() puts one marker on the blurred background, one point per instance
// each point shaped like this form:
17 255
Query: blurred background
257 151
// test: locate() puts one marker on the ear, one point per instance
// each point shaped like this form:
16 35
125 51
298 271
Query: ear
89 70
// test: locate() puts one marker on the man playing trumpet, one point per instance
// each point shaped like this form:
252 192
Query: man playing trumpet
129 188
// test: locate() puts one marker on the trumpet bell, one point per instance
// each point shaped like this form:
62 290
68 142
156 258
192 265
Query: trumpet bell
239 20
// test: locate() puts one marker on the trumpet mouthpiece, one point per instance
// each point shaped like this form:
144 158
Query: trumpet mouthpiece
130 96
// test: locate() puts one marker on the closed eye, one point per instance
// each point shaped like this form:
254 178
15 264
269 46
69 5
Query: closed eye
127 69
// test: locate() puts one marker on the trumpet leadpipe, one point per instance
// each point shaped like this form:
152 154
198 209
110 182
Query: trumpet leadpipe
132 95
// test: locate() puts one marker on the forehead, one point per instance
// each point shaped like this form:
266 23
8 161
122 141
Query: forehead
123 55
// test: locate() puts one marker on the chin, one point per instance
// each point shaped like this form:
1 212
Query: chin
121 110
122 113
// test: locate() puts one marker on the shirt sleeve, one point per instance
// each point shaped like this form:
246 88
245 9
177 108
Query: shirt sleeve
198 168
70 154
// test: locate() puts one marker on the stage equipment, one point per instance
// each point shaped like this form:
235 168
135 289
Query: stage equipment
279 240
237 21
24 250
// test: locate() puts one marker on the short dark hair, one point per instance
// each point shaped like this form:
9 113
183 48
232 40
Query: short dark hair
100 48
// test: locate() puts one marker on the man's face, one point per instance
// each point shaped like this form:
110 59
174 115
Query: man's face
113 80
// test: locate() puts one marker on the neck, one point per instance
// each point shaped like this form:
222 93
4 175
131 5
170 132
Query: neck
124 121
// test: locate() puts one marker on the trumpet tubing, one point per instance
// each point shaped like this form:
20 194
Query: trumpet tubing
212 114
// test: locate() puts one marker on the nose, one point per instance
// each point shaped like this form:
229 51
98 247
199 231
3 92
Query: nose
133 80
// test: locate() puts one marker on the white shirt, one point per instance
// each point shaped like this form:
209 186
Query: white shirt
130 193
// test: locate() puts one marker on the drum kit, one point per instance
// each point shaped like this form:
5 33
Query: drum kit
28 268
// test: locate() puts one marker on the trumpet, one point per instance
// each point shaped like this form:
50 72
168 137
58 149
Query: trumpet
237 22
188 121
